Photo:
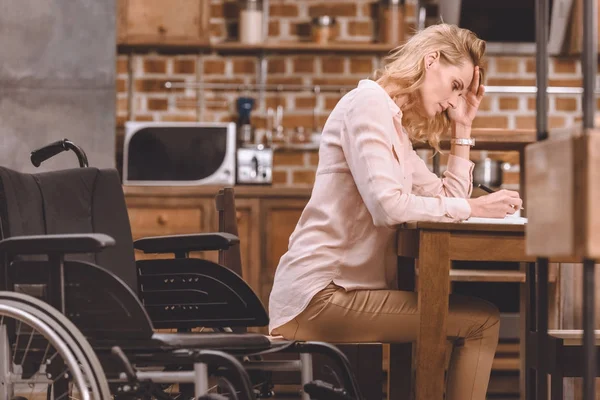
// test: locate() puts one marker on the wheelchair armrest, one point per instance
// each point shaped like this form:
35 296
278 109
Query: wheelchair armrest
186 243
61 244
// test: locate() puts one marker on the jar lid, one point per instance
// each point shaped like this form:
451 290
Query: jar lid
323 20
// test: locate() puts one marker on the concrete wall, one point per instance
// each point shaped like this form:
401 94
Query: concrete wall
57 80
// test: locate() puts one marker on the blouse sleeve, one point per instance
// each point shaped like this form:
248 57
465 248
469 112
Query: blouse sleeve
367 146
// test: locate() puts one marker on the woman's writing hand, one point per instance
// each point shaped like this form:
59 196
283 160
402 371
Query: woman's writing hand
496 205
466 109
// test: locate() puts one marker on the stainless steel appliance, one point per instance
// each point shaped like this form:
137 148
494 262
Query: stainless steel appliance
179 153
508 26
255 165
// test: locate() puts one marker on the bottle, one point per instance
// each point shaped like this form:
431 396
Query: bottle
251 22
245 131
391 22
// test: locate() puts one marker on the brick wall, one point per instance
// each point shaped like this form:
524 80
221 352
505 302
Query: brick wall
141 94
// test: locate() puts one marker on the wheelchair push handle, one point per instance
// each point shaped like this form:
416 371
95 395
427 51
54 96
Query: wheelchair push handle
43 153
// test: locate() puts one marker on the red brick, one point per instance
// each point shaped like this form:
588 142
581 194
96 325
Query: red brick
179 118
360 28
184 66
155 66
528 122
304 64
155 85
293 120
186 103
361 65
530 66
214 67
157 104
490 122
486 104
510 82
122 105
276 66
284 80
305 102
274 101
303 177
507 65
334 9
330 102
122 65
279 177
294 158
565 66
336 81
531 103
565 82
566 104
144 118
121 85
244 66
274 28
509 103
332 65
120 121
283 10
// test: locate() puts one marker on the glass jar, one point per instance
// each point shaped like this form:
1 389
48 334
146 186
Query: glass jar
251 22
323 29
391 22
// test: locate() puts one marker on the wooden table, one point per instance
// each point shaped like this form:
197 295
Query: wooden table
434 246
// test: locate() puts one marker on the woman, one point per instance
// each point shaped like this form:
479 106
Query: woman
336 282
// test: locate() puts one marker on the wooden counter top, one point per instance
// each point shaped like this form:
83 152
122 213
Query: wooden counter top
241 191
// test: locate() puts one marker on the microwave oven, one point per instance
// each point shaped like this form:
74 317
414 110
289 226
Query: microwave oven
508 26
179 153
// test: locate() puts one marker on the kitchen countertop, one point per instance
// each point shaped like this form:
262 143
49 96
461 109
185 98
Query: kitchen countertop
241 191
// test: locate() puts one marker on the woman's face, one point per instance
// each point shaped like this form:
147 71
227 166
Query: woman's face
443 85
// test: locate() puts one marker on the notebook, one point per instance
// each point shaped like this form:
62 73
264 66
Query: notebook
510 219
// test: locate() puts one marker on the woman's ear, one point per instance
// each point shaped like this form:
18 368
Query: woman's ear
431 59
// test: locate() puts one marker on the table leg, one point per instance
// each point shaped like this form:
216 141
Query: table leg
433 263
542 328
589 341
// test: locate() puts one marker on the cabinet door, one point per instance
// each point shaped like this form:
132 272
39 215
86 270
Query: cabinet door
170 216
279 217
156 22
247 213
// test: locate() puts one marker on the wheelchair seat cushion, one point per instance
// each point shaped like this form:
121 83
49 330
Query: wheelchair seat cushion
233 342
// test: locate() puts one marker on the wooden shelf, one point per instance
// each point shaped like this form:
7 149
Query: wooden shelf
493 139
302 47
269 47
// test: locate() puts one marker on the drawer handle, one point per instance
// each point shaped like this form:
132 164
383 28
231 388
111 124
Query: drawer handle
238 215
162 219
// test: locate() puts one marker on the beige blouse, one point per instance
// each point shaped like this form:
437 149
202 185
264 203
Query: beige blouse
369 180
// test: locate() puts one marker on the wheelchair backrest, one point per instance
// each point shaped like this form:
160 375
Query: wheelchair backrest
82 200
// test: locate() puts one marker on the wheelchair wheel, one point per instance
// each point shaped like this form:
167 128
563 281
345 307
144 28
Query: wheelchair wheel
41 351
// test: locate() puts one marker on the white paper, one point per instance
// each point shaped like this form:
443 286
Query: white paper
510 219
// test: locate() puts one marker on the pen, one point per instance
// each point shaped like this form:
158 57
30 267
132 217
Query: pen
487 189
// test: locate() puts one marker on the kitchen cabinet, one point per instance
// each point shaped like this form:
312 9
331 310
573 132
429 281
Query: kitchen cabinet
163 23
266 218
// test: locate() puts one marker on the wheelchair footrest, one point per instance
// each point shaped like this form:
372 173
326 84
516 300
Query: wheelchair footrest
319 390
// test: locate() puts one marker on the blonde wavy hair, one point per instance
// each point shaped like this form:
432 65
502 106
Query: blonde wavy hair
404 73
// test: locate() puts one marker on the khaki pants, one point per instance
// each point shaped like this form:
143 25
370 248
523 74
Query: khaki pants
391 316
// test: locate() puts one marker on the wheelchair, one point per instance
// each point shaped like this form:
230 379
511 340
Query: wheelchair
79 316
